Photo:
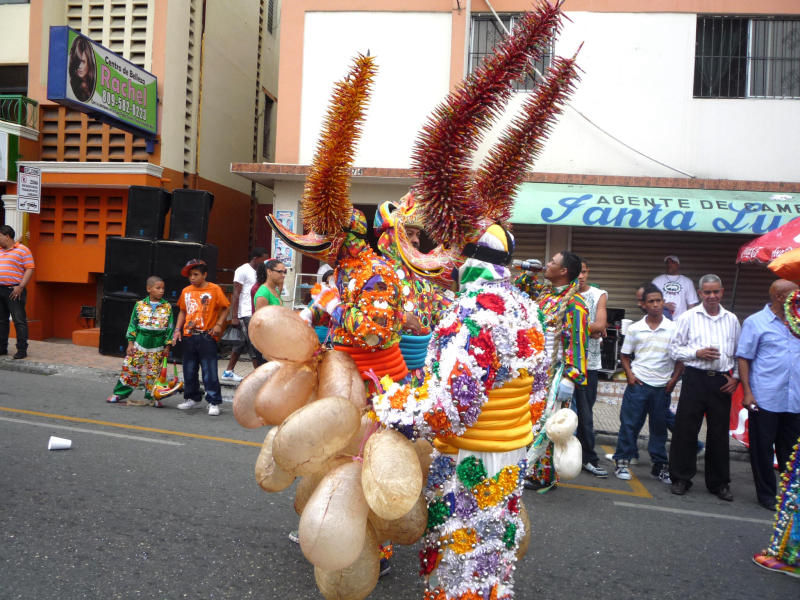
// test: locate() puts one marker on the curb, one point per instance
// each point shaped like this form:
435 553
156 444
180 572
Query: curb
37 368
20 366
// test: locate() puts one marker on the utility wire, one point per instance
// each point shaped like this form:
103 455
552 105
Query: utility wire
588 120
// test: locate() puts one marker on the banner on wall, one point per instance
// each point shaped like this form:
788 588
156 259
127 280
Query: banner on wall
283 252
666 209
90 78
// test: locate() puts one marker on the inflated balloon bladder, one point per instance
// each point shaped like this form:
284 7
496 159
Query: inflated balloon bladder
357 581
333 524
339 376
561 425
315 433
392 477
287 390
269 475
244 400
308 483
567 458
406 530
279 333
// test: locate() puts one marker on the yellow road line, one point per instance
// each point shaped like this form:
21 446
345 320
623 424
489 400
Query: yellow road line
134 427
637 488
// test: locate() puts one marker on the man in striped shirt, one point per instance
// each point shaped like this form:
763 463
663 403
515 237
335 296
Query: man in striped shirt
16 269
705 341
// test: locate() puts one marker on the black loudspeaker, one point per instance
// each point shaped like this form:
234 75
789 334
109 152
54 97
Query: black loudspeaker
129 262
171 257
114 318
147 211
190 213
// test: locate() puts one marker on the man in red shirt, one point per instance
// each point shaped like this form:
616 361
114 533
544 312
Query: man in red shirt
16 270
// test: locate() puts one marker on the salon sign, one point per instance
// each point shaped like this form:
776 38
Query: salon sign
666 209
90 78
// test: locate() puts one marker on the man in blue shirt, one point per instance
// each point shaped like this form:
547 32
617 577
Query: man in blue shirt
769 368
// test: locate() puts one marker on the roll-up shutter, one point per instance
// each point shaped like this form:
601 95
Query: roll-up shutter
621 259
530 241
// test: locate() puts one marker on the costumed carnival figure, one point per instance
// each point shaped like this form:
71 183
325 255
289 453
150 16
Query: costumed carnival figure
149 333
422 299
486 364
782 554
566 323
362 482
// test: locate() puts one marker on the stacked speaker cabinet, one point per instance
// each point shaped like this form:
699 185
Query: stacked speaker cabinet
115 314
171 257
191 210
147 212
129 262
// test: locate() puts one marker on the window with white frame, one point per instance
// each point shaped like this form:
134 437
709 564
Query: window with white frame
747 57
486 32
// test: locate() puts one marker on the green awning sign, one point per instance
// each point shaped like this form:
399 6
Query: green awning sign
666 209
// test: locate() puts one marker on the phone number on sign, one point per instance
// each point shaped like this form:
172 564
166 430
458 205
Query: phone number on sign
124 105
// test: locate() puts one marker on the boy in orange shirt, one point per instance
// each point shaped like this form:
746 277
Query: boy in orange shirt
203 306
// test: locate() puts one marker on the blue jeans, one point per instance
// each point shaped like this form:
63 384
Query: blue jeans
200 352
15 309
583 399
638 401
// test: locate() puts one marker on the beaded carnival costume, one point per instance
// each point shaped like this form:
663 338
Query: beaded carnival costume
486 365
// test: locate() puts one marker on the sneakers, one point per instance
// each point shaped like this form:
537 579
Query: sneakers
661 472
213 410
114 399
596 470
622 471
229 377
294 536
158 404
189 404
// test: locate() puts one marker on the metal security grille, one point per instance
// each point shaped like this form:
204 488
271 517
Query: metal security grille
742 57
486 32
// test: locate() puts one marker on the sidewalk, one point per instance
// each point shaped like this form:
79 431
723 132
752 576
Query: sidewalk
61 356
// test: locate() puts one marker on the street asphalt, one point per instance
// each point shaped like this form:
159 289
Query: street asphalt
161 503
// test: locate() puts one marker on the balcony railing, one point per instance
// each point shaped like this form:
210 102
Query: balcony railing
18 109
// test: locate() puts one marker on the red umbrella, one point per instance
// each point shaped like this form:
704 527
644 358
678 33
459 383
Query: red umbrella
771 245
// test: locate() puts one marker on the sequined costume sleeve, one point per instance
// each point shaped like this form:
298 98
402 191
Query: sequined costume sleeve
575 338
486 338
530 284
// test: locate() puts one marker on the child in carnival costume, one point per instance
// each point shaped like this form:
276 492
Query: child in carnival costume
486 364
422 300
149 333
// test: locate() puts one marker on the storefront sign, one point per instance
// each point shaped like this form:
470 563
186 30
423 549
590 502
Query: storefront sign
90 78
669 209
29 189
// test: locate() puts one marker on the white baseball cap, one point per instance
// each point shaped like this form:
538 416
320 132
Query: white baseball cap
673 258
